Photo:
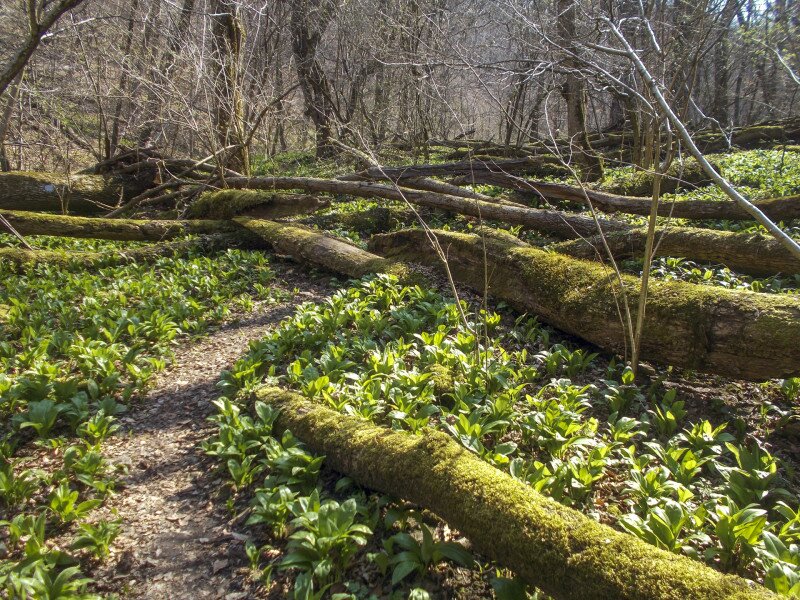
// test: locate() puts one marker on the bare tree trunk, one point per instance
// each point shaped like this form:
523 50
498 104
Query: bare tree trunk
309 20
228 113
5 120
574 92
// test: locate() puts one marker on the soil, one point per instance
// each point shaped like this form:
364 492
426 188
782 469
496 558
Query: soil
178 539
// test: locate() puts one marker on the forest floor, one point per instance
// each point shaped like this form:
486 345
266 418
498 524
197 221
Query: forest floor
178 538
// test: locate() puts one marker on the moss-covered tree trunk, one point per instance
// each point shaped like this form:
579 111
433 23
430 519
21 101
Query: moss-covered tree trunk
751 253
312 246
732 333
28 223
22 258
77 194
557 549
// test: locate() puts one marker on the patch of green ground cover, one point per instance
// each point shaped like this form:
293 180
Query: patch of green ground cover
758 173
75 347
548 413
300 164
319 523
674 269
65 244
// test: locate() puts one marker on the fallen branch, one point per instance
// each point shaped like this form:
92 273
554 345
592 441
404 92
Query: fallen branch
23 259
540 165
307 245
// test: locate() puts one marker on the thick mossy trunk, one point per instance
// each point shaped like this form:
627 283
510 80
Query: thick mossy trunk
732 333
751 253
557 549
77 194
226 204
23 259
754 136
315 247
377 219
30 223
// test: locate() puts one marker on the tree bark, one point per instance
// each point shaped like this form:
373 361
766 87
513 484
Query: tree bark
228 112
785 208
312 246
79 194
560 224
28 223
750 253
574 92
541 165
309 20
555 548
226 204
731 333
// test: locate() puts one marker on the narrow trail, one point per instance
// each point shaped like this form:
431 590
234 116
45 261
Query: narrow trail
178 540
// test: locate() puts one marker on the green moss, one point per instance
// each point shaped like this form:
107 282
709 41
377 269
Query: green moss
114 229
550 546
734 333
375 219
226 204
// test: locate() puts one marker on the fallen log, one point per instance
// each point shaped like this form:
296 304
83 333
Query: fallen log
750 253
556 548
431 185
226 204
560 224
323 250
22 259
78 194
539 165
377 219
778 209
733 333
30 223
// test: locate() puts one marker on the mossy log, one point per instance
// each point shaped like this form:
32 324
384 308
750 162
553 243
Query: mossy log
754 136
767 134
733 333
30 223
432 185
376 219
226 204
557 549
778 209
78 194
23 259
315 247
751 253
560 224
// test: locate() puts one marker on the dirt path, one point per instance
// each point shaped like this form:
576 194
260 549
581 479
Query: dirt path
178 540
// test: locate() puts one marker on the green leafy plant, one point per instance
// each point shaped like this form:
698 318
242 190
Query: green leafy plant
408 554
64 504
97 537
